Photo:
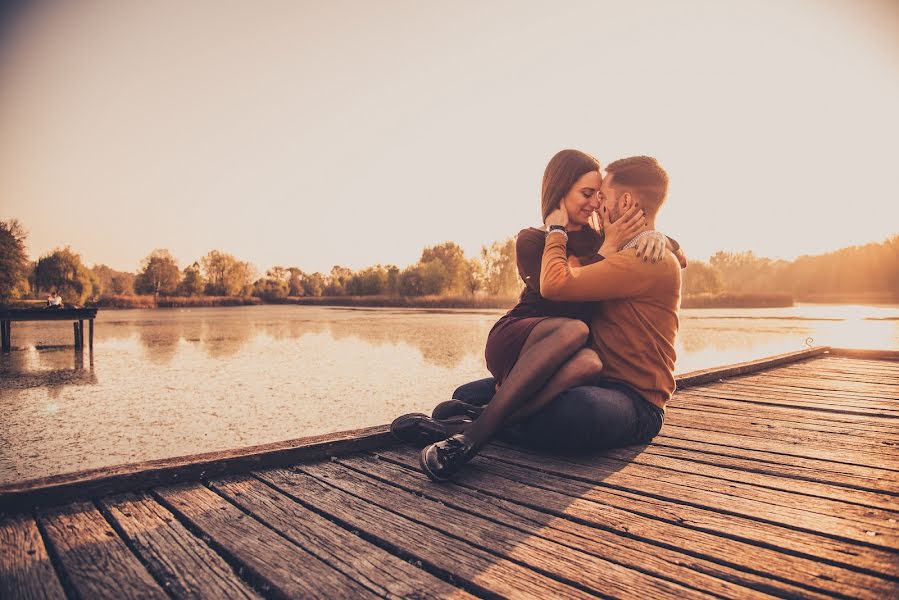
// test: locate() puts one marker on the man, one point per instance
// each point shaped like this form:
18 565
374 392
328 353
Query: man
634 323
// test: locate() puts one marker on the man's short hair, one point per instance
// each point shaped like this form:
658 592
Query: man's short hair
644 177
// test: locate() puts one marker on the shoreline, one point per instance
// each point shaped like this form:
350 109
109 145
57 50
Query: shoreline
723 300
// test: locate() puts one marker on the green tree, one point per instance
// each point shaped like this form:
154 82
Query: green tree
159 274
500 268
62 270
112 282
337 280
192 282
474 276
295 282
453 260
313 284
701 278
225 275
13 260
368 282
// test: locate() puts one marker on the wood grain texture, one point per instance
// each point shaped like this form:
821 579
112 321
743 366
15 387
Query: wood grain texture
376 569
633 553
279 565
591 572
184 564
482 571
707 534
25 568
96 561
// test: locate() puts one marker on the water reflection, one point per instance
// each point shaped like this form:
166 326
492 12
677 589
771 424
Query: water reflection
49 367
174 382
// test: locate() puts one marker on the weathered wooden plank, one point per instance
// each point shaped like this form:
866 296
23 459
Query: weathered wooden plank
381 572
834 455
776 391
782 440
705 534
795 489
868 423
186 567
856 389
659 561
96 562
764 399
25 568
481 571
22 496
856 393
815 515
271 561
881 448
593 573
857 353
838 373
762 462
705 376
859 432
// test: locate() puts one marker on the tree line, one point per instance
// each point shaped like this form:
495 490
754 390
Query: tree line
869 269
443 269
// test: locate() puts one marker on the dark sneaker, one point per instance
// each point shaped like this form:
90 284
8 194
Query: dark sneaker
456 408
442 459
419 429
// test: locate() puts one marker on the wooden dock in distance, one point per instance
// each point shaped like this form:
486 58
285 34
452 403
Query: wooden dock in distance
775 478
77 315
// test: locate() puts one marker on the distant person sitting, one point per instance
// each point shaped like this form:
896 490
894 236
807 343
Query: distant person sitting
54 300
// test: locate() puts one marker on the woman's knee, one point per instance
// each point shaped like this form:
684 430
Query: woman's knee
575 333
586 366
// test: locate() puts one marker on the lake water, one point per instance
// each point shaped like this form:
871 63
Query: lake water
167 383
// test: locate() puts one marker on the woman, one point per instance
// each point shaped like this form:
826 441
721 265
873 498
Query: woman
538 349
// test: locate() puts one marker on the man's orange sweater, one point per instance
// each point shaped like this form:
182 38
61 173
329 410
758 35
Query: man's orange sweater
634 323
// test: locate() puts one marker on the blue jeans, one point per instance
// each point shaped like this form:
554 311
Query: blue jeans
580 419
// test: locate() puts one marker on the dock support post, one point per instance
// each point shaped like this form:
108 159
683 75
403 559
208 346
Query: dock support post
90 334
75 330
6 335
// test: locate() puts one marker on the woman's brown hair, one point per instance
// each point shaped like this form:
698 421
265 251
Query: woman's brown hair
562 172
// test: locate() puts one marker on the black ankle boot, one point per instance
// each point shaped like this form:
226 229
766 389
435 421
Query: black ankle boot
442 459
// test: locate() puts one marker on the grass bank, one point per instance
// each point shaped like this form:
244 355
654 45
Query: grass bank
504 302
137 301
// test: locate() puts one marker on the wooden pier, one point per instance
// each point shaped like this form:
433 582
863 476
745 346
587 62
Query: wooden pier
77 315
776 478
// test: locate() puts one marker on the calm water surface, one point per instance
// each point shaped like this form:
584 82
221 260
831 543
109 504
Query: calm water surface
172 382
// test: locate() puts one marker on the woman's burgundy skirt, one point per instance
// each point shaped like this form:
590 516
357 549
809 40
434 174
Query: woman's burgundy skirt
504 343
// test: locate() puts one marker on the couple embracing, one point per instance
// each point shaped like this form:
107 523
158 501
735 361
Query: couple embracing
585 360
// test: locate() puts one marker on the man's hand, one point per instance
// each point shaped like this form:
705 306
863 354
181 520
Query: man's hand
622 231
557 217
652 247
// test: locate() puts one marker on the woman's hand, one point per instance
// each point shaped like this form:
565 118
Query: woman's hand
621 231
652 247
557 217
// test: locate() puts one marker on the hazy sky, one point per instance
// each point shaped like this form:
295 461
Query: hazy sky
318 133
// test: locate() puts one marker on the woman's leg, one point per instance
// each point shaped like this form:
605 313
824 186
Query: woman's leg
583 368
549 346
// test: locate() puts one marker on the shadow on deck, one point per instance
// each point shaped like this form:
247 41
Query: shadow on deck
780 478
